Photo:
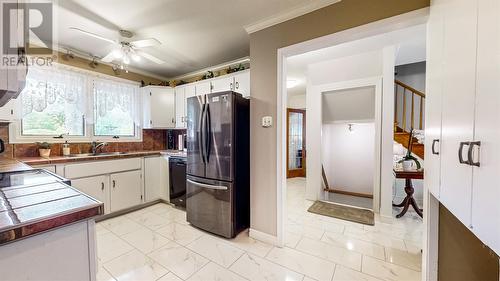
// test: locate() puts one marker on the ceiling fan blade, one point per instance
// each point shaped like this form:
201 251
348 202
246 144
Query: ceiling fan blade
109 57
150 57
145 43
93 35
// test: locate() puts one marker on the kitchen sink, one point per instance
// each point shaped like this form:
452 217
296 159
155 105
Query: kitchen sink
96 154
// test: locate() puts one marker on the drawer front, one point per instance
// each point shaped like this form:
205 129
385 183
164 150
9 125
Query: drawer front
89 169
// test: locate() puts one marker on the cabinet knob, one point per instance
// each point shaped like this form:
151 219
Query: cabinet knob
102 186
237 85
114 183
231 86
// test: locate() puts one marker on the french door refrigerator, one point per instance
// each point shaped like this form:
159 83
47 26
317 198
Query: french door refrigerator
218 163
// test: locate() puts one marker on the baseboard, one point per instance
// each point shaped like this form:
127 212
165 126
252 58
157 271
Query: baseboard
263 237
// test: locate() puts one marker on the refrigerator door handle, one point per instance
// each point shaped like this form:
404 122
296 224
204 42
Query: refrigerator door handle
208 186
201 134
208 133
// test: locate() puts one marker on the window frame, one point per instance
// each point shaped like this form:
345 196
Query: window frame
15 127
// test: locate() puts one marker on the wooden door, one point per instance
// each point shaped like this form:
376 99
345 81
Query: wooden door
296 143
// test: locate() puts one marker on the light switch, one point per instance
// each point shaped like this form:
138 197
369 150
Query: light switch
267 121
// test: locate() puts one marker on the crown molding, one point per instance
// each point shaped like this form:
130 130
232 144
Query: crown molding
288 15
214 68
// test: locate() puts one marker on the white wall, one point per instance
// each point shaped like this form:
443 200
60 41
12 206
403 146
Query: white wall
349 156
297 101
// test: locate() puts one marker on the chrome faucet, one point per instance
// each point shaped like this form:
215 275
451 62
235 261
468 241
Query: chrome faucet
97 146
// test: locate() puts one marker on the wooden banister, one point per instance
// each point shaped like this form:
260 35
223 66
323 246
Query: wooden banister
413 92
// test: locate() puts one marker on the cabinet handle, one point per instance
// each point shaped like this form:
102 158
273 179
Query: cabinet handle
182 119
237 85
150 122
231 86
470 152
460 152
114 183
173 120
434 147
102 186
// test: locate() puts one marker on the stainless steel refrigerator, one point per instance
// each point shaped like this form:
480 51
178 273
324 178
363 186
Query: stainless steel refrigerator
218 163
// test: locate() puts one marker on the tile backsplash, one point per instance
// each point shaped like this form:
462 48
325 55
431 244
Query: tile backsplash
151 140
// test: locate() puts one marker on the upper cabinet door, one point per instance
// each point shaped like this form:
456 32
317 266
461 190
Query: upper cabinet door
203 88
459 77
223 84
486 192
242 83
433 97
162 107
180 107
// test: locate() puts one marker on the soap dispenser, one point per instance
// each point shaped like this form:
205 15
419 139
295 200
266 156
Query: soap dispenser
66 150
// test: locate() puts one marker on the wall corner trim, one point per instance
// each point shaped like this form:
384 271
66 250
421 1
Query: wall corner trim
264 237
288 15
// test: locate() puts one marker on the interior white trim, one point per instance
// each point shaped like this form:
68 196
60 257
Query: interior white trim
386 25
263 237
288 15
375 82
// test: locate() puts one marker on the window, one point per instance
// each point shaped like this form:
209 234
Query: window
53 103
115 108
79 105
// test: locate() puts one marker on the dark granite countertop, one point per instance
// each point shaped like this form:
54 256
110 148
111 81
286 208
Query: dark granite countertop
66 159
28 208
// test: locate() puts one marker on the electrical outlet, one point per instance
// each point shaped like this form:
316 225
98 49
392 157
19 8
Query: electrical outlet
267 121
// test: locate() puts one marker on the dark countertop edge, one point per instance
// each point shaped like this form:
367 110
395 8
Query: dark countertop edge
63 159
31 228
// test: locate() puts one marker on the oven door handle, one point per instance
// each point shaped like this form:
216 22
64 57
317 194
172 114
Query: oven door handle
208 186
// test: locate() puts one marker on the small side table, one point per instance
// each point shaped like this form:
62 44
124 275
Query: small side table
409 200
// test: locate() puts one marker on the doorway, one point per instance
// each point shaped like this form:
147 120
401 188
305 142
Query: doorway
296 143
349 145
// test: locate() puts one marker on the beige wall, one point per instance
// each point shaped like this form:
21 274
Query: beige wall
263 55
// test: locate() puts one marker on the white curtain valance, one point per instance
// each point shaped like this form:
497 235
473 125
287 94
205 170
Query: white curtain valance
47 86
110 95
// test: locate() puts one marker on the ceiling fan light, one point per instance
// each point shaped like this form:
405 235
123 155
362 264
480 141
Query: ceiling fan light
136 57
118 54
126 60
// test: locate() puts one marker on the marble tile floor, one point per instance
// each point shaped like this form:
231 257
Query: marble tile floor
156 243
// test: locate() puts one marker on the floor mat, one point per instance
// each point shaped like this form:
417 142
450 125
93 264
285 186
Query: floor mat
343 212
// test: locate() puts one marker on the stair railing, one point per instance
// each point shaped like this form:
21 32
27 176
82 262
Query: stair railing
415 94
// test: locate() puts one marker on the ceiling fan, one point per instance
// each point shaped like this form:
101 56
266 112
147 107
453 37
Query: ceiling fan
126 51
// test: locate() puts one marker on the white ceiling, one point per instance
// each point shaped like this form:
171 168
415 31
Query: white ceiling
195 34
410 43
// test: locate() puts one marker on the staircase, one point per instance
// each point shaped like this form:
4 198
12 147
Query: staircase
409 105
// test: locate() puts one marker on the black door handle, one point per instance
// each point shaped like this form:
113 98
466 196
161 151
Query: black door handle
460 151
470 156
434 147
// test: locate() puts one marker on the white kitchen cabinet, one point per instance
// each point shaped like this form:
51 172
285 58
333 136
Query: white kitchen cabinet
242 83
126 190
159 107
464 70
155 178
97 187
203 88
459 76
8 111
434 87
222 84
485 189
180 107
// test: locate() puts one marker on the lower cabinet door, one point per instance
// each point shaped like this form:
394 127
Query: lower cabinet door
97 187
153 185
126 190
